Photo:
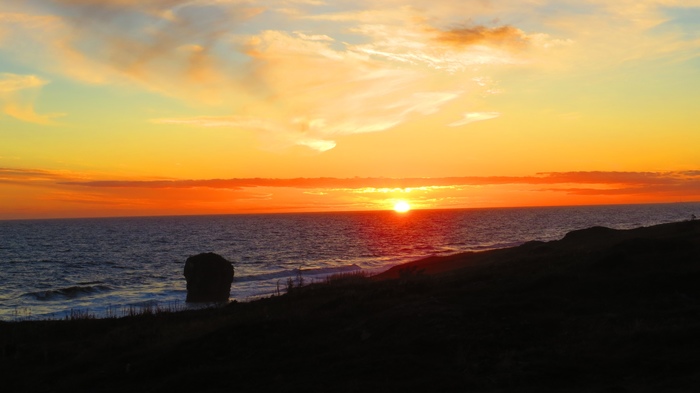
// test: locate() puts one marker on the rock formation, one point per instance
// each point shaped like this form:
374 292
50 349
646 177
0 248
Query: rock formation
209 277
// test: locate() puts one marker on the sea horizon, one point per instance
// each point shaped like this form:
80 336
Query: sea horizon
348 211
54 266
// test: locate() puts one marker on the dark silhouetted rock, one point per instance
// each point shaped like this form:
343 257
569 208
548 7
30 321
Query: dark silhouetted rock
209 277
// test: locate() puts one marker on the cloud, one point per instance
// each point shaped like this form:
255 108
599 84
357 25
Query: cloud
622 183
415 42
37 177
318 93
318 90
10 83
482 35
18 94
313 37
301 86
271 128
176 48
311 73
474 116
36 192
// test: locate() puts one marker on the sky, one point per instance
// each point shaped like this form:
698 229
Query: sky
169 107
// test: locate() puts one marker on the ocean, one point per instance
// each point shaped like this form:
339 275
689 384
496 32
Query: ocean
51 269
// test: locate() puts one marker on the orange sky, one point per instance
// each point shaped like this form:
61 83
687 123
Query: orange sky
124 107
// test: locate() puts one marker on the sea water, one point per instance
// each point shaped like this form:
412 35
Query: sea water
52 268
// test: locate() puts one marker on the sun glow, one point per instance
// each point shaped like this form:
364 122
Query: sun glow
402 207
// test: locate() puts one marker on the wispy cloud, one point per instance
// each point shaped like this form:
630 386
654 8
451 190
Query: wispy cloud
175 48
298 86
324 92
474 116
605 182
281 133
34 192
309 72
413 40
482 35
26 176
320 89
18 94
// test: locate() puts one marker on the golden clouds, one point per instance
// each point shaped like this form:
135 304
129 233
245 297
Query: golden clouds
413 41
299 86
314 92
57 192
623 182
474 116
307 72
28 176
175 48
11 82
317 89
278 134
18 94
482 35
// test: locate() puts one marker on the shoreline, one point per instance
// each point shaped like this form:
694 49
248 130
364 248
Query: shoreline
47 265
598 310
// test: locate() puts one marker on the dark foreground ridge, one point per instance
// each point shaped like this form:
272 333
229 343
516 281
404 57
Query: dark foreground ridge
600 310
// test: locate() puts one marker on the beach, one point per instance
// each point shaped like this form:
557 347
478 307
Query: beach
599 310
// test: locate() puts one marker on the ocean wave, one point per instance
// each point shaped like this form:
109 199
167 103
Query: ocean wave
493 246
294 272
68 292
91 283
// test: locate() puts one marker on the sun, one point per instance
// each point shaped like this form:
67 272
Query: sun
402 207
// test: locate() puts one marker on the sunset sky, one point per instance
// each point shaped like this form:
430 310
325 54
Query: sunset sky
138 107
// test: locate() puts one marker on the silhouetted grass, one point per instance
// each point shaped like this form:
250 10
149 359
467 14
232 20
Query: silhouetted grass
348 278
112 312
